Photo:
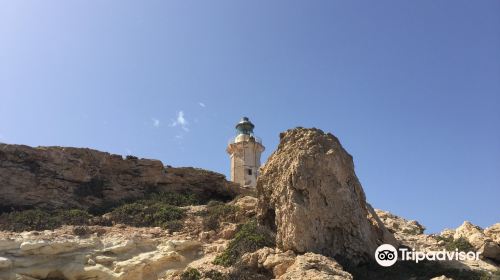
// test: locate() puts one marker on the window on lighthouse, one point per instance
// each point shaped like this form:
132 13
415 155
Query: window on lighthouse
249 171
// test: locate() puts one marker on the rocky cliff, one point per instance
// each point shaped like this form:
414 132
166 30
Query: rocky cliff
308 191
318 223
58 177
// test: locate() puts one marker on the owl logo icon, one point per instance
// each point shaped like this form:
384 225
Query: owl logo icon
386 255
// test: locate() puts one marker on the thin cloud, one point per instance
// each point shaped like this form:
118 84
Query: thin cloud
202 104
181 121
156 122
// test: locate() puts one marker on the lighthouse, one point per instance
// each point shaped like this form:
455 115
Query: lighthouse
245 150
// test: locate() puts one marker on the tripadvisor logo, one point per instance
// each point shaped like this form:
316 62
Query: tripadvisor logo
386 255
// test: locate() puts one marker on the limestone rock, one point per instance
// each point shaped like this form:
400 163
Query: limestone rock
309 193
121 254
493 232
472 233
287 265
442 277
447 233
228 230
315 267
408 232
481 241
54 177
397 224
490 250
247 204
5 262
270 259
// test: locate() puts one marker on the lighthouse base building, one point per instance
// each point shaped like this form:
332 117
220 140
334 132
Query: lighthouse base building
245 150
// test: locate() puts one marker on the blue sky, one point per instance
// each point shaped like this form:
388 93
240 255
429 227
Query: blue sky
411 88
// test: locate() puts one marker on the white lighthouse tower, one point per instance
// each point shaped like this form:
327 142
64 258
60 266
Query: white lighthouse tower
245 150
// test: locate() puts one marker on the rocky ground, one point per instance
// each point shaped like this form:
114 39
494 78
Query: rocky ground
124 252
309 219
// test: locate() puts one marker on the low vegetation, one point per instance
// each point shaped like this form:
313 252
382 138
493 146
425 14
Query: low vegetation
215 275
179 199
413 231
191 274
462 244
218 212
146 215
37 219
194 274
157 209
249 238
175 198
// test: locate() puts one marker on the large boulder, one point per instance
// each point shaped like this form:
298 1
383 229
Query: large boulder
308 192
63 177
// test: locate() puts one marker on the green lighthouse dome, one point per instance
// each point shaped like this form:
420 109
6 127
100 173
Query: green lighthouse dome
245 126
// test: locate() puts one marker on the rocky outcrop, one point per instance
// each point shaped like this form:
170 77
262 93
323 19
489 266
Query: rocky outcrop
493 232
120 254
57 177
483 241
308 192
270 259
408 232
397 224
315 267
289 266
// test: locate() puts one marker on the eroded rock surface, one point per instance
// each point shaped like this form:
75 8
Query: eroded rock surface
309 192
119 253
53 177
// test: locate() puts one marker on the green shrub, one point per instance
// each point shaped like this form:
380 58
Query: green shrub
249 238
462 244
243 273
74 217
156 209
27 220
175 225
174 198
215 275
151 197
143 215
191 274
81 230
38 219
414 231
218 212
